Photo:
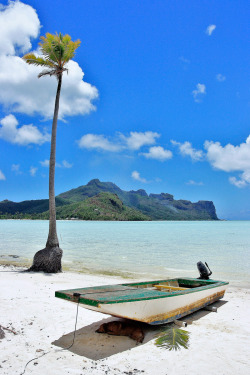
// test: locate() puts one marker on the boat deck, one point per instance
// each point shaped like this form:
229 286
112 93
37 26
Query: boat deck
109 294
121 293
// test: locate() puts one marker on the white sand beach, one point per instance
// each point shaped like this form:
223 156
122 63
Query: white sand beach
218 342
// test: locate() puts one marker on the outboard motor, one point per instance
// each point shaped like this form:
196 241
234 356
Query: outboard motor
205 271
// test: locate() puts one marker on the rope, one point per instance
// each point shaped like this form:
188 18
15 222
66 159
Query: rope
56 351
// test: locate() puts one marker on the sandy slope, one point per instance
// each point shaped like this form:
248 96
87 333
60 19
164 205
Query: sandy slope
218 343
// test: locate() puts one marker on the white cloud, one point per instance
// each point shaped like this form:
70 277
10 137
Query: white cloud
45 163
220 77
138 139
16 168
2 176
192 182
18 24
186 149
238 183
33 171
227 158
23 135
98 142
158 153
136 176
231 158
210 29
120 142
20 89
64 164
199 92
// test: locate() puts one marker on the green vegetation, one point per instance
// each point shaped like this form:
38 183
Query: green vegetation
172 338
105 201
104 206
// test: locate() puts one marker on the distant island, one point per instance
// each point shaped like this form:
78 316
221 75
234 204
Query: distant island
106 201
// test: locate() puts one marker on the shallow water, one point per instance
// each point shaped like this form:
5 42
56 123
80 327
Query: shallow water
137 249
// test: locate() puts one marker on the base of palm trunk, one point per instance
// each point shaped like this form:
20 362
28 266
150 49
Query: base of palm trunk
48 260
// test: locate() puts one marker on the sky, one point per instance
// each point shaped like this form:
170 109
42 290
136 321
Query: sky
156 98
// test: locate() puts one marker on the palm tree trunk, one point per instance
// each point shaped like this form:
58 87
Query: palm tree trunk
49 258
52 240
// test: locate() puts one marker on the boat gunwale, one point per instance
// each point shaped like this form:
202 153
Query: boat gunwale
208 284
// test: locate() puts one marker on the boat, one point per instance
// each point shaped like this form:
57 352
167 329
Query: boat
152 302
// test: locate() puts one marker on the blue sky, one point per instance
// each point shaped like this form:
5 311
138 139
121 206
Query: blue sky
163 104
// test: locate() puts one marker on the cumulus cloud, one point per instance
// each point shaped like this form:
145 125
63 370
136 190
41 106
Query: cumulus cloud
98 142
18 24
210 29
133 141
199 92
158 153
33 171
136 176
22 135
220 77
136 140
186 149
228 158
231 158
20 89
2 176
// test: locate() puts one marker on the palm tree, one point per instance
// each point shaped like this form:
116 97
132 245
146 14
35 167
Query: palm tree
56 51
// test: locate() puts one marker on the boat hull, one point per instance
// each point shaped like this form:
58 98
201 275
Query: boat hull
165 310
149 302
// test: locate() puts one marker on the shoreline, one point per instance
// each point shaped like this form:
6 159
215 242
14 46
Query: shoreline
101 272
44 324
83 271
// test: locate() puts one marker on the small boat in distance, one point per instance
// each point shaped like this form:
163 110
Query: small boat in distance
152 302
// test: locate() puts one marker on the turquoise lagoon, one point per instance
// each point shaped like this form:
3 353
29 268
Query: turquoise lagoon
142 250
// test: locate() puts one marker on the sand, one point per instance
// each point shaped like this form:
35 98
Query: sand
218 342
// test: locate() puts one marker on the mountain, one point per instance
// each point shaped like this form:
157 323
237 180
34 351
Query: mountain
106 201
103 206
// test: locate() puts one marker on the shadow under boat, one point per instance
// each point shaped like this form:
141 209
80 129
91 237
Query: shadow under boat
95 346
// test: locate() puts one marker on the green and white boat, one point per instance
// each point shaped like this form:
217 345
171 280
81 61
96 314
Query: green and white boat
152 302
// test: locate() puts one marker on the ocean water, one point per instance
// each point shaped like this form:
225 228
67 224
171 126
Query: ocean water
142 250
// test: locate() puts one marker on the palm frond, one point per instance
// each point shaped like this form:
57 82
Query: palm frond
56 51
48 72
59 48
69 51
52 72
32 59
173 339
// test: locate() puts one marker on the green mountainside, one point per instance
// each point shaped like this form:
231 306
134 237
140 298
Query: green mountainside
105 201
